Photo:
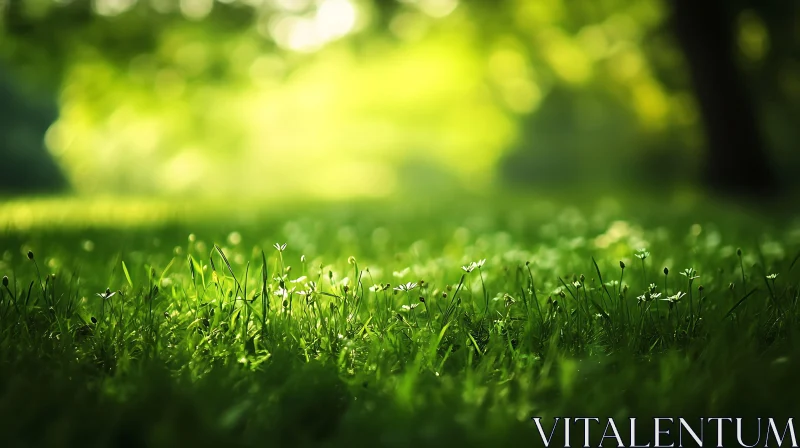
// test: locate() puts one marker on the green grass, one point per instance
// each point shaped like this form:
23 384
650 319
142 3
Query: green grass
380 323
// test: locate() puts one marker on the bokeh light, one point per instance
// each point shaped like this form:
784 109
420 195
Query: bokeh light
343 98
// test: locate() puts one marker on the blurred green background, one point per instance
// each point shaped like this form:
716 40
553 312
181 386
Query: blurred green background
346 98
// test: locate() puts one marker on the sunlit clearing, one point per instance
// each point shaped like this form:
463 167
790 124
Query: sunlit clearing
338 126
340 110
29 214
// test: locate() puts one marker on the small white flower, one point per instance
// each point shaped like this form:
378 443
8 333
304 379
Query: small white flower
280 247
406 287
675 298
473 265
106 295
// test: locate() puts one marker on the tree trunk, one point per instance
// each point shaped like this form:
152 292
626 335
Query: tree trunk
736 160
27 166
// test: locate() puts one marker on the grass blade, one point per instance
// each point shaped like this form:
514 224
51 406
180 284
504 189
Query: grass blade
127 275
739 303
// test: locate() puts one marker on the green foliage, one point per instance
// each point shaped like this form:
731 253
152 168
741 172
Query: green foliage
210 91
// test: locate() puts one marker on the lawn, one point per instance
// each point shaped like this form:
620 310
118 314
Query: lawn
424 322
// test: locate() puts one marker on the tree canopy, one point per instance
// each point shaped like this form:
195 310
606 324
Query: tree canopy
373 93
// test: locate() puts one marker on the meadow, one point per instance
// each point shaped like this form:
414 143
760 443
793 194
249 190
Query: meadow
425 322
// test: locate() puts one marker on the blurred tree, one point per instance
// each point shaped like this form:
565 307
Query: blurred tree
42 40
24 118
708 34
582 75
736 159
